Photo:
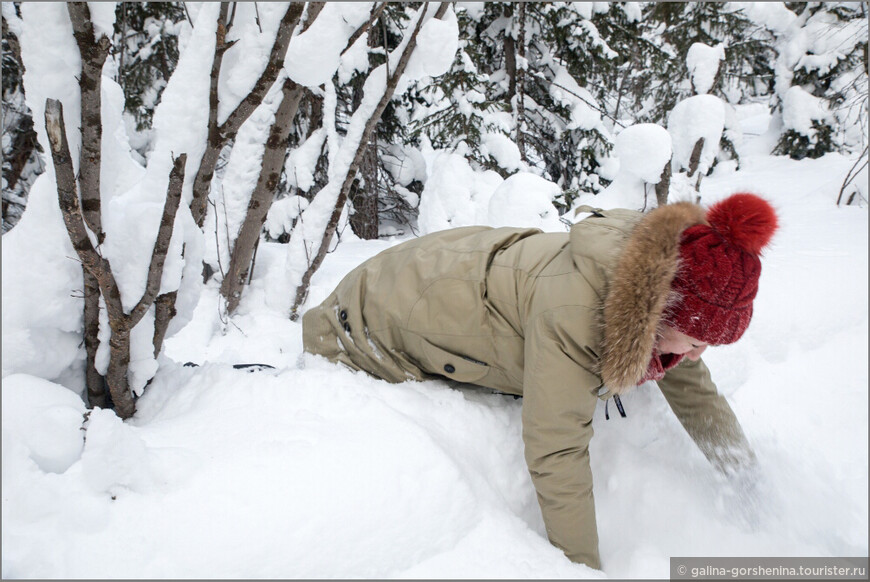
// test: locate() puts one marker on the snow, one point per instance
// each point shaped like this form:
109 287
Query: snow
503 150
103 17
243 64
700 116
703 64
283 213
311 470
567 92
525 200
314 55
225 473
774 15
437 43
47 424
454 194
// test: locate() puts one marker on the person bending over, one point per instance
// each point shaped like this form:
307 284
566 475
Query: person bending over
564 319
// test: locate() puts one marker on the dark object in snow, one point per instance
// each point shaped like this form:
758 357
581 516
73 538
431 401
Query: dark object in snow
247 367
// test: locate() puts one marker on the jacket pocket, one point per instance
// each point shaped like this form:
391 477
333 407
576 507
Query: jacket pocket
453 366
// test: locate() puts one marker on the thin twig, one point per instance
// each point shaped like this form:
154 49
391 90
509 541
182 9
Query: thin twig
850 176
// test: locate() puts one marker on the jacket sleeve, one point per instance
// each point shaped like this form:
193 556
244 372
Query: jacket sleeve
558 405
706 416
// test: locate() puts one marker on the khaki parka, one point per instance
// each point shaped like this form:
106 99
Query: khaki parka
561 319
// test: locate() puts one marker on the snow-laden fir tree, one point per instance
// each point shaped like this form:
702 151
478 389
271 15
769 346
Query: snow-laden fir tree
515 96
821 80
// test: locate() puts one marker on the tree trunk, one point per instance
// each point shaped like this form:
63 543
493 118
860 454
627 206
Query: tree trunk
695 158
93 56
329 232
364 196
164 311
120 322
521 81
664 185
261 200
364 192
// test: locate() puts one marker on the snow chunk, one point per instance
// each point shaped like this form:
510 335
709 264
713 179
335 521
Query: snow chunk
254 31
103 17
694 118
283 213
503 150
580 101
405 164
643 150
703 64
45 418
302 161
437 44
313 57
773 15
800 109
526 200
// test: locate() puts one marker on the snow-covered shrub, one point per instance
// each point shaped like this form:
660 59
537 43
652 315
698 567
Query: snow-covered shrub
643 151
698 117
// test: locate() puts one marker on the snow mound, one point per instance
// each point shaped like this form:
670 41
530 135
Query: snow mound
455 195
45 419
525 200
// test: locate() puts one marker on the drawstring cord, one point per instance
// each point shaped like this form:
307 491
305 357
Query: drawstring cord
619 407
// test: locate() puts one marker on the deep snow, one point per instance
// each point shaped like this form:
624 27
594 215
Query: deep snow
311 470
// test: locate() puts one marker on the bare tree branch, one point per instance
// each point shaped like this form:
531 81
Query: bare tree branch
93 55
161 244
218 135
202 181
99 267
850 175
392 81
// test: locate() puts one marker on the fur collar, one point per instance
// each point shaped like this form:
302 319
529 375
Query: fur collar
639 291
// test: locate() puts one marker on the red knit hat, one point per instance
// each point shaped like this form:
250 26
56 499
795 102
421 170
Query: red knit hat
719 269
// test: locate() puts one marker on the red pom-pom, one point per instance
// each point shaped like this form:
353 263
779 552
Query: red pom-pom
745 220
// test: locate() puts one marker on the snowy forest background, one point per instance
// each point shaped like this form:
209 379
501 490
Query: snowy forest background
182 180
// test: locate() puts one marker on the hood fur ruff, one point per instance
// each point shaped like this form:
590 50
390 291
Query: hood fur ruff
639 291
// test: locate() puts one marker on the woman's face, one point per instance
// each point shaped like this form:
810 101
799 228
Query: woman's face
671 341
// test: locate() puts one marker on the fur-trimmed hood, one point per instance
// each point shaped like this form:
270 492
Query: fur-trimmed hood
639 290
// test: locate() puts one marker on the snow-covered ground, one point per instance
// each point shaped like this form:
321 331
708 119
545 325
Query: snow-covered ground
314 471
